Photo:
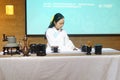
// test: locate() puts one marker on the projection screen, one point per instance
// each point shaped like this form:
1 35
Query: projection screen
82 17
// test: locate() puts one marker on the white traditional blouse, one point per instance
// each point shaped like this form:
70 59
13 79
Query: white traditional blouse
58 38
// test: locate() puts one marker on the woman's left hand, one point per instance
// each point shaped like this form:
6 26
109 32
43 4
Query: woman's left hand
75 49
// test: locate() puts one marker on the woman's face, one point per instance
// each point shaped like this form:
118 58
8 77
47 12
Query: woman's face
59 24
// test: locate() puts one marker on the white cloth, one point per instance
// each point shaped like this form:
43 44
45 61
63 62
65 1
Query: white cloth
61 68
58 38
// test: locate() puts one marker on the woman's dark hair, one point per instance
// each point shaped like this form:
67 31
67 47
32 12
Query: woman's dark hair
56 18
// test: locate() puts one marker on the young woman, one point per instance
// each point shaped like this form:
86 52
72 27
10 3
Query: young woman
56 36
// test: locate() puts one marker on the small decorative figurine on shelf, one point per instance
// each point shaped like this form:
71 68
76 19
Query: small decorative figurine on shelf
4 37
89 47
25 47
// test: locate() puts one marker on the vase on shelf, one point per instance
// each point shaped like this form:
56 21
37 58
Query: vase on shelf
25 49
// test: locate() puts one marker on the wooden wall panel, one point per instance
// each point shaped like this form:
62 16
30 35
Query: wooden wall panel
15 25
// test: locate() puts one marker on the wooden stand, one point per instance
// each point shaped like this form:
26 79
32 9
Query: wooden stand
9 50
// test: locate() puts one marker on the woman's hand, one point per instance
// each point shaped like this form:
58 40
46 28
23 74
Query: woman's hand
75 49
